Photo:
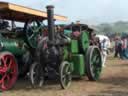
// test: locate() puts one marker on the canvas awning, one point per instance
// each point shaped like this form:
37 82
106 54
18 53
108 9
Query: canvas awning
15 12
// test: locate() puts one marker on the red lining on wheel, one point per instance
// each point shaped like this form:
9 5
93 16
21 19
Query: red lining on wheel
8 71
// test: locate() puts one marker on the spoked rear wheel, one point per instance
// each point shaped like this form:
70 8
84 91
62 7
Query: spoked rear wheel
65 74
93 63
36 75
8 71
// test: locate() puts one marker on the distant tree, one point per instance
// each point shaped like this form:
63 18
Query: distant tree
105 28
113 28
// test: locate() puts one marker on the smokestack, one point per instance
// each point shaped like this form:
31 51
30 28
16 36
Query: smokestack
50 14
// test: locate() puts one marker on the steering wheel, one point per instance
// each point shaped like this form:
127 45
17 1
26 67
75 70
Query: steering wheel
33 33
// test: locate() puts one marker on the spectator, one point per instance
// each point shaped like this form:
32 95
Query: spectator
116 47
124 47
97 43
92 38
104 51
120 48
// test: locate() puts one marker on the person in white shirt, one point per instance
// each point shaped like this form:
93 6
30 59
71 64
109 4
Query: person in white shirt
104 51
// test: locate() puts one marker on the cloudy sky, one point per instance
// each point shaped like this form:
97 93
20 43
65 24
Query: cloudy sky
90 11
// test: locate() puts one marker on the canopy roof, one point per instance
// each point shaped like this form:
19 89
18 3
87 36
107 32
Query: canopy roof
15 12
83 27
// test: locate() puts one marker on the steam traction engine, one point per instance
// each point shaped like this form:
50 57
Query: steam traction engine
66 54
17 48
18 44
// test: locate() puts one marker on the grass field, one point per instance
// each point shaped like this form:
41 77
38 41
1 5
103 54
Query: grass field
113 82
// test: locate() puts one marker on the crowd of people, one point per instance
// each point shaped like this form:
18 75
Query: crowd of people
121 45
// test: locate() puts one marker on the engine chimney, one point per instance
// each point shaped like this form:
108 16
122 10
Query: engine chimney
50 14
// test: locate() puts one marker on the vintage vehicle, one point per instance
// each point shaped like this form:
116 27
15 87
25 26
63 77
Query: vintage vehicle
18 44
65 54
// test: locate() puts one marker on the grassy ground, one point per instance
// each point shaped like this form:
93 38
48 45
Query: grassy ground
113 82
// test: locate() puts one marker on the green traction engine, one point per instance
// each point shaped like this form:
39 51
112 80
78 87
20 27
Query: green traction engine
17 47
65 54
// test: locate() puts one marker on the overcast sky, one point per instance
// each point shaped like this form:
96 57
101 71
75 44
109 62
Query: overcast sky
90 11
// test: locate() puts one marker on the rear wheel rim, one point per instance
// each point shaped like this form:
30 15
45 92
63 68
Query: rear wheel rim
8 71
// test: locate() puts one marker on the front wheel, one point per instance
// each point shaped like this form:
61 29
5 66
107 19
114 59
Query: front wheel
36 75
93 64
65 74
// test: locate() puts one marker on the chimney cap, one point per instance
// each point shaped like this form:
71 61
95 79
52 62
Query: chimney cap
50 7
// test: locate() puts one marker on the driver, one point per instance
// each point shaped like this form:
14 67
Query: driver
62 39
76 30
